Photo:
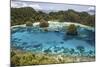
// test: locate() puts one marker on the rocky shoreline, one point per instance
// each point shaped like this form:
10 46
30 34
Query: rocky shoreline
54 25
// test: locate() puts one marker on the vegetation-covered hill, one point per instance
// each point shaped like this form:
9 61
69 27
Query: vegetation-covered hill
21 15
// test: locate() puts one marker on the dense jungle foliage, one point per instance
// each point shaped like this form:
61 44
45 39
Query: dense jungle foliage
21 15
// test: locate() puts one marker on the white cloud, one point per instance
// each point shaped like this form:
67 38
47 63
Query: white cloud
91 8
84 2
51 8
16 4
35 6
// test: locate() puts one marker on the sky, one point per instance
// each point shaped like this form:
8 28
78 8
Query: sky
51 6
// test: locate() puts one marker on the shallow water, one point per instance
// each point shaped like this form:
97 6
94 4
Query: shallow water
36 40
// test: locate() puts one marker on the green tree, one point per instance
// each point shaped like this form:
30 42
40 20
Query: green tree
15 60
72 30
20 15
43 23
72 16
28 23
12 53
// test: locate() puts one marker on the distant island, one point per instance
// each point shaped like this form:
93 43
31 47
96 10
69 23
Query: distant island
23 14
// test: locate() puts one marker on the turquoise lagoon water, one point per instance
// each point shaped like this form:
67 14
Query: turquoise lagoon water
37 40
